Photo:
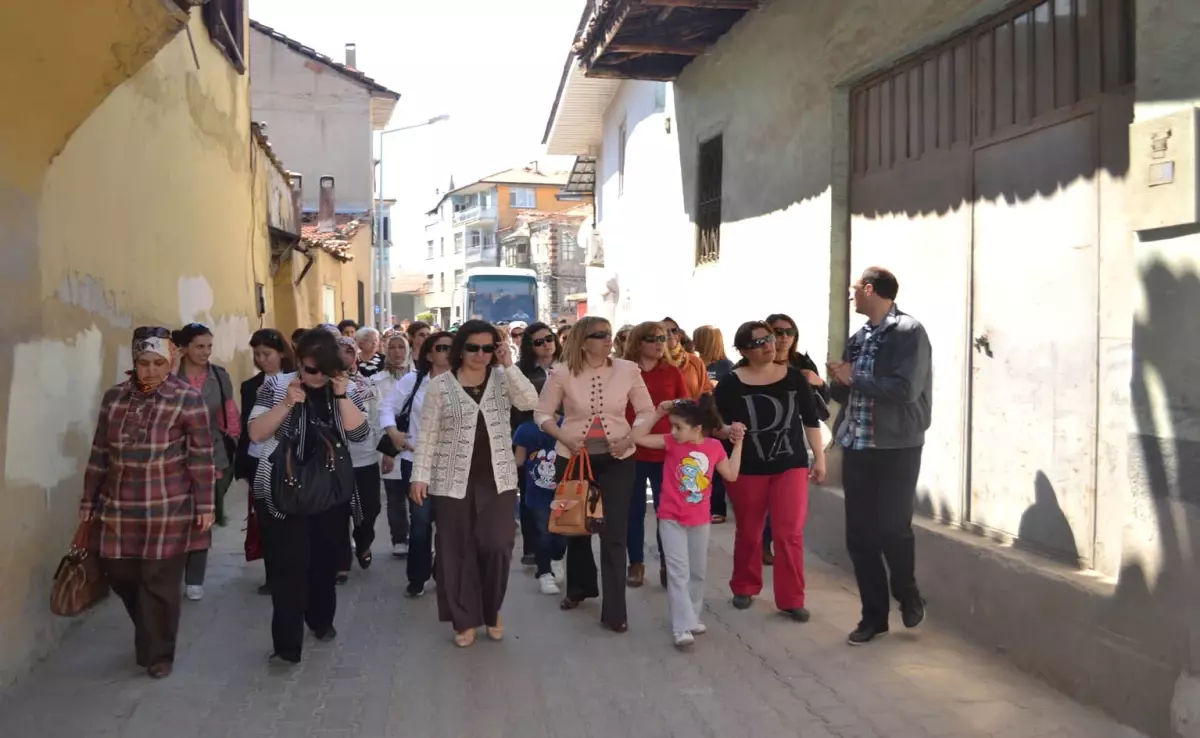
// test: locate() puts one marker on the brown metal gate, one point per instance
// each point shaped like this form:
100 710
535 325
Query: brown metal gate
978 170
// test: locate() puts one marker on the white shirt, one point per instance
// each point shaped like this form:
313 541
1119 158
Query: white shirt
387 387
393 403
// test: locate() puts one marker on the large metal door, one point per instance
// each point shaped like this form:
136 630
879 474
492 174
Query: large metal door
977 168
1034 366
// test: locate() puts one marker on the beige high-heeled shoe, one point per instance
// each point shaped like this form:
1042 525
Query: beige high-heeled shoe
496 633
465 638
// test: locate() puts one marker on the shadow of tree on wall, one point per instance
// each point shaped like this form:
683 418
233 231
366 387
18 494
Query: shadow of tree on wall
1164 463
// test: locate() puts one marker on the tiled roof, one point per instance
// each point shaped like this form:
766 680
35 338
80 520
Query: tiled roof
336 243
527 175
582 179
313 54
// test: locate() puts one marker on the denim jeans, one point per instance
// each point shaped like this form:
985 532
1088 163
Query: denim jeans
547 546
420 530
644 471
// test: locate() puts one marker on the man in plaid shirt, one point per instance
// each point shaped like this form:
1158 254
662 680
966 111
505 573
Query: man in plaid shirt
885 385
150 481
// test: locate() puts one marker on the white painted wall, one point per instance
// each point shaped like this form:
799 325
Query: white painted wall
318 122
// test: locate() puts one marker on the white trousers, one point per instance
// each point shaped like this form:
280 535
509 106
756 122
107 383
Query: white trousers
685 551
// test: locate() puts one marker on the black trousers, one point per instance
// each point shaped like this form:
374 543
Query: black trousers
369 486
615 478
302 554
880 485
398 503
529 532
149 589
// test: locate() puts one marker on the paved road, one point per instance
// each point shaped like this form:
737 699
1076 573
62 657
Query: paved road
394 672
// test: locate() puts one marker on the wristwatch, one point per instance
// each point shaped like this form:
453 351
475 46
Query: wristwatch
339 397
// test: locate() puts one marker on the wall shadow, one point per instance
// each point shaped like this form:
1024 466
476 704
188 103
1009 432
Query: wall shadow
1044 526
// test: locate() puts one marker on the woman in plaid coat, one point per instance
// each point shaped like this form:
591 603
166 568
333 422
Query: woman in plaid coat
150 480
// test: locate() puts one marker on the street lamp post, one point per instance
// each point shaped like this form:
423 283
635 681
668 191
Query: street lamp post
383 287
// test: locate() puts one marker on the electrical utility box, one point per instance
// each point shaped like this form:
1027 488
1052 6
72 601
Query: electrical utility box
1162 161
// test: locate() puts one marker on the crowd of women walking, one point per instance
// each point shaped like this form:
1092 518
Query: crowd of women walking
462 437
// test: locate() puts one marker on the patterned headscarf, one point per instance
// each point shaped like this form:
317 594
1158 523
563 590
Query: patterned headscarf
154 340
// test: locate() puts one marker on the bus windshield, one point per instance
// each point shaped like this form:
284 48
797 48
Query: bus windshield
501 298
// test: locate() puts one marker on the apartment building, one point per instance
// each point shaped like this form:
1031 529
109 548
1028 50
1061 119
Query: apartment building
461 229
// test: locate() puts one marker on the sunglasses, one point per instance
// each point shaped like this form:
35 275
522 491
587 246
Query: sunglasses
441 348
782 332
676 329
151 331
655 339
311 370
600 335
539 342
757 343
474 348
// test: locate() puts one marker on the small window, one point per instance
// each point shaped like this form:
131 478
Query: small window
442 282
429 251
362 303
476 239
225 21
443 247
621 161
260 298
522 197
458 243
708 201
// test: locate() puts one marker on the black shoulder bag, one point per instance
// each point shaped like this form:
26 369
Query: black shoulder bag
231 446
385 445
313 485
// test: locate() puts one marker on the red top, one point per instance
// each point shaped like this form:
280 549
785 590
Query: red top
664 382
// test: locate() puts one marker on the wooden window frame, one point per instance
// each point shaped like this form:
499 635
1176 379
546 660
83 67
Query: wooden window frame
225 21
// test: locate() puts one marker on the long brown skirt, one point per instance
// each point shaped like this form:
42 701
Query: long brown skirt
474 542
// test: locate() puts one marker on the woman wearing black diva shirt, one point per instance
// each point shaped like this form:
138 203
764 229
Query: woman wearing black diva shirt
776 404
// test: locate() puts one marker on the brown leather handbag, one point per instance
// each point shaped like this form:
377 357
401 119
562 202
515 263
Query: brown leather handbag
577 508
79 582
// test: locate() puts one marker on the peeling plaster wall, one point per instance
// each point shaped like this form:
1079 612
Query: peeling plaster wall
150 214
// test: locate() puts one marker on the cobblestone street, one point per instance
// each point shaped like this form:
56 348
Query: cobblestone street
394 672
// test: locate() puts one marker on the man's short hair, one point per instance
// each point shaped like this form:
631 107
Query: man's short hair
882 281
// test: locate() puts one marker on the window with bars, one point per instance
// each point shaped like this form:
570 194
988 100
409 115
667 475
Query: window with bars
225 21
708 201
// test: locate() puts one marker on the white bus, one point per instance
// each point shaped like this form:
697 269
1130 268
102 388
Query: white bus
500 295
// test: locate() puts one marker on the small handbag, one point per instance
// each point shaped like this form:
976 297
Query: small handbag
577 508
79 583
385 445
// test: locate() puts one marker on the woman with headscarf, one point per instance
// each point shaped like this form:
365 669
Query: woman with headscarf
195 344
150 481
397 364
694 372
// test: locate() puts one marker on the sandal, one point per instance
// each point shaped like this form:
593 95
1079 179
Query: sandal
465 639
496 632
718 519
569 604
364 559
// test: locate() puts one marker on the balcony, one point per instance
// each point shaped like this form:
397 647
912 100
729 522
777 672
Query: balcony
482 255
475 214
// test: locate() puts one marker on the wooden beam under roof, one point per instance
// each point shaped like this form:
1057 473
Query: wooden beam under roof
613 29
705 4
611 73
664 48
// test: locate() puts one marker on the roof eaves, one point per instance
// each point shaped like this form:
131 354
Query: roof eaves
353 74
566 73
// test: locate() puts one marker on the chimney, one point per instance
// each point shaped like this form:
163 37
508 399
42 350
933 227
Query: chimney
352 56
325 209
295 181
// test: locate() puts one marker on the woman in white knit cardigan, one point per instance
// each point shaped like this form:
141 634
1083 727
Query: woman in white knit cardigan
465 463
